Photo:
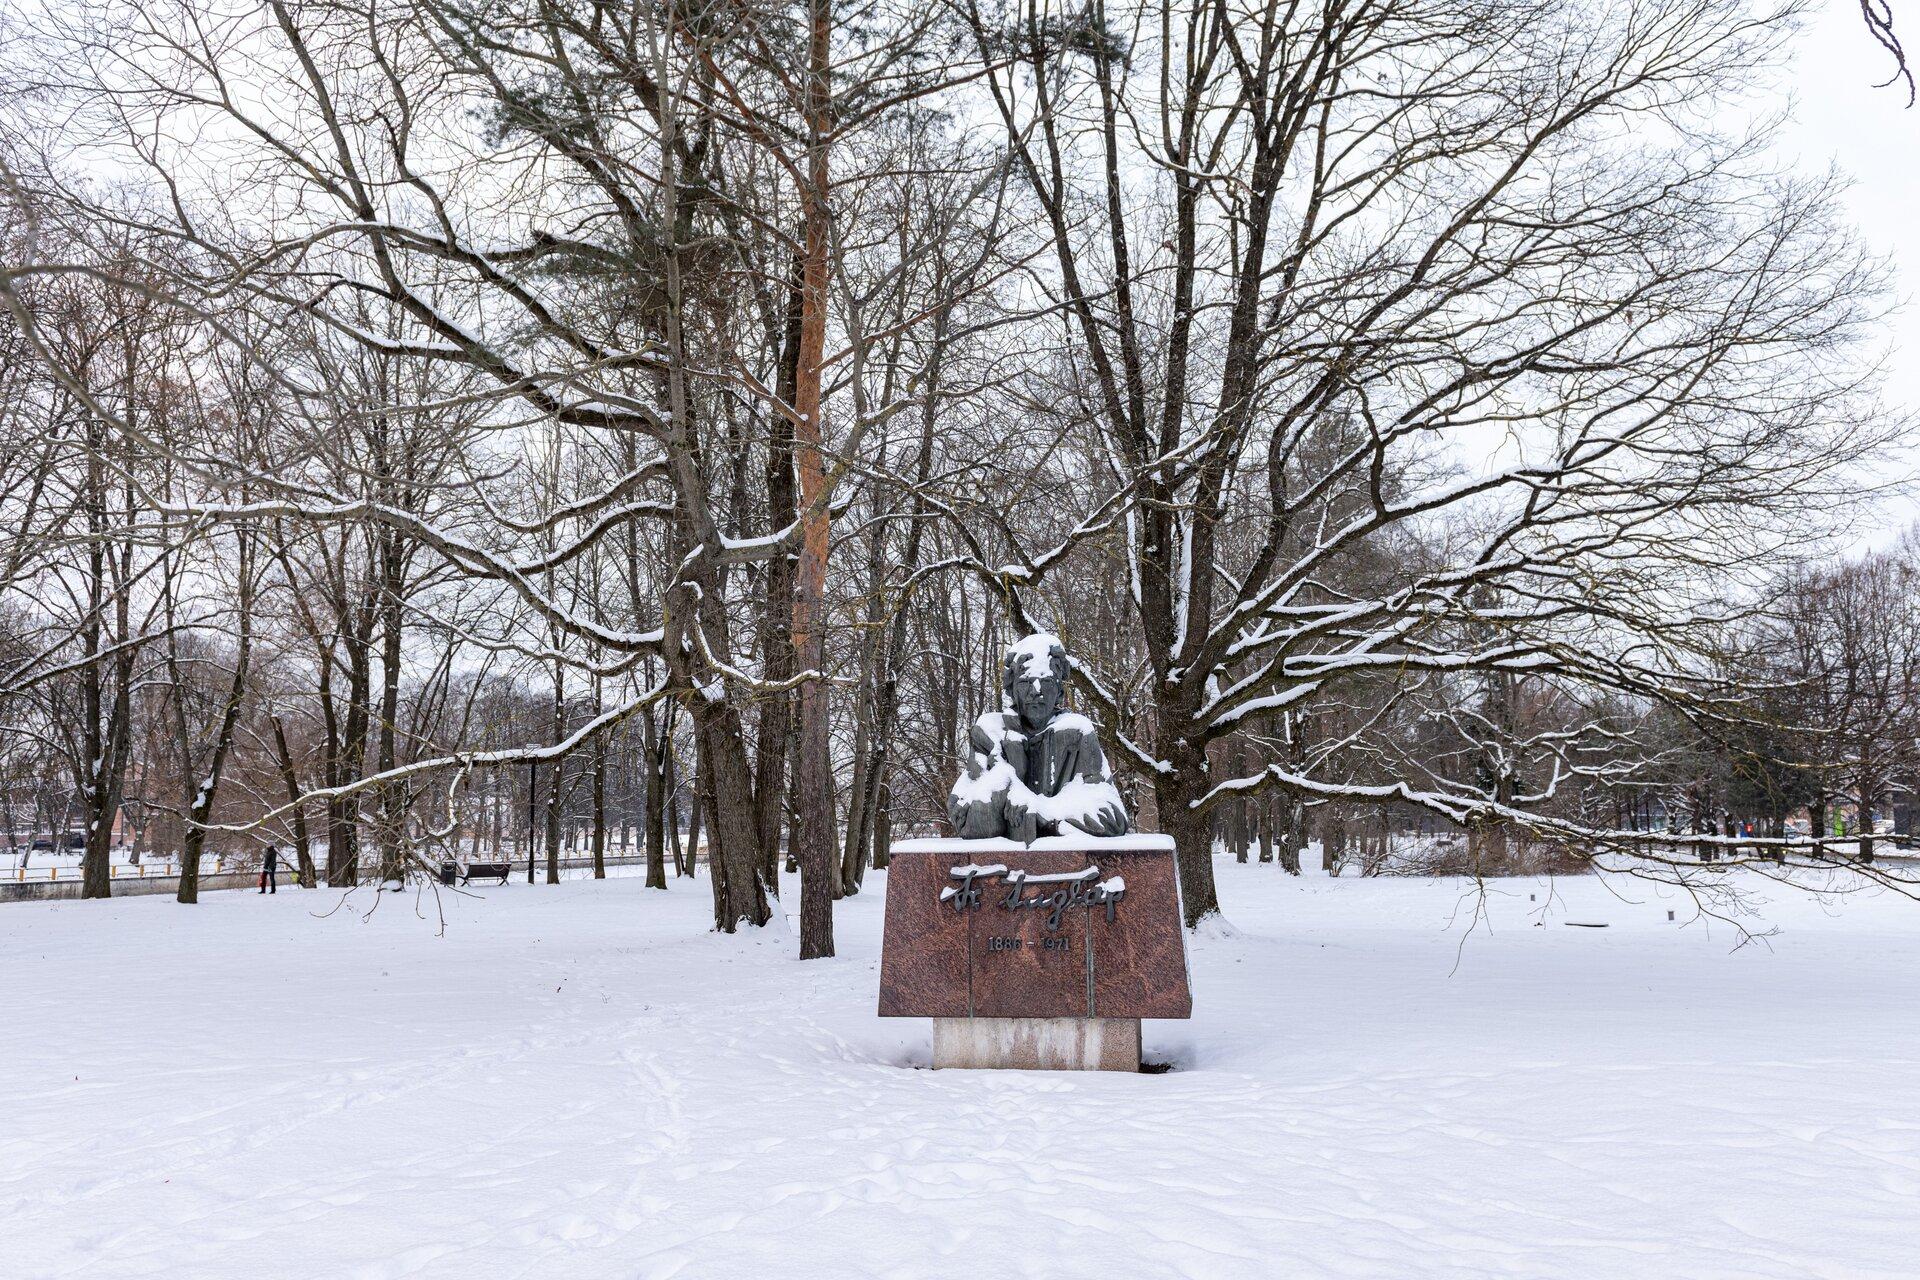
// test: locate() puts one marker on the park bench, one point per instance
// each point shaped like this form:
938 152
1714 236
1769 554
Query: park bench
484 870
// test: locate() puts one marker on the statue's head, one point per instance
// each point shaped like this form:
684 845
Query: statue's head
1035 679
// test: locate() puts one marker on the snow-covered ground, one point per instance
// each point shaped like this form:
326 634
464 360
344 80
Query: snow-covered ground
583 1081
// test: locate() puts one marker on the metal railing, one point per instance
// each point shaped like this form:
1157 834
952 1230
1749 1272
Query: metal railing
117 870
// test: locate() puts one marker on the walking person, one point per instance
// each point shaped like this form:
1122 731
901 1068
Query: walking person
268 884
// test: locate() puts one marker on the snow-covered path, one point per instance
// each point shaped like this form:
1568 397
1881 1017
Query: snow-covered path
582 1081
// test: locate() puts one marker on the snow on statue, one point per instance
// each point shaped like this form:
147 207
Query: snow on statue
1032 768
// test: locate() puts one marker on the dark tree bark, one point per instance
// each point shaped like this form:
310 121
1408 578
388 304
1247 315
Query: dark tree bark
533 812
207 785
599 834
346 753
813 798
654 819
733 858
106 696
774 740
556 776
393 794
297 812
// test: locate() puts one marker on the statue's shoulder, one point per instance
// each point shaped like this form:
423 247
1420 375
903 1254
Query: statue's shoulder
995 728
1073 724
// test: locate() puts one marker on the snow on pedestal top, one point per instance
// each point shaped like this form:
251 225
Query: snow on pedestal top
1137 843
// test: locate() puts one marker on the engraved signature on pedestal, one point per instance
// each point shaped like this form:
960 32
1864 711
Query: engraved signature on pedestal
1055 893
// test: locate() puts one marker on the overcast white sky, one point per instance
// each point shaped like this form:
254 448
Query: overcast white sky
1874 137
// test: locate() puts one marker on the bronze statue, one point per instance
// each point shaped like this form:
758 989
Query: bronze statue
1034 769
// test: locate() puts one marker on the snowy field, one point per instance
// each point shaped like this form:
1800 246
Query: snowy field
583 1081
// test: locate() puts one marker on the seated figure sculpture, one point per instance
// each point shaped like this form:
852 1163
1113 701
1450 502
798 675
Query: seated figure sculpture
1034 769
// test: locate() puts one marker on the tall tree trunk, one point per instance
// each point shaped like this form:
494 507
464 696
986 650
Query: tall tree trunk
343 816
697 623
894 642
342 853
793 817
107 734
868 747
498 805
813 803
1175 793
703 815
200 808
297 812
1236 808
393 794
696 816
883 820
671 801
599 835
558 774
533 813
655 819
733 857
853 848
773 742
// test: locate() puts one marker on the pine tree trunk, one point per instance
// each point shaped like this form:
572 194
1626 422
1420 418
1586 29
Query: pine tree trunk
813 799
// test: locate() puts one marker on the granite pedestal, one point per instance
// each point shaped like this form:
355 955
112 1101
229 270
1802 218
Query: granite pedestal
1041 956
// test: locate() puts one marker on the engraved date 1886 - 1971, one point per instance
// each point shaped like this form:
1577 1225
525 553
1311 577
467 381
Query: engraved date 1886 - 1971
1054 894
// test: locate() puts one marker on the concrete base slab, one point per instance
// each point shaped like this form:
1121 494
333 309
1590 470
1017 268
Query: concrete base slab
1037 1044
